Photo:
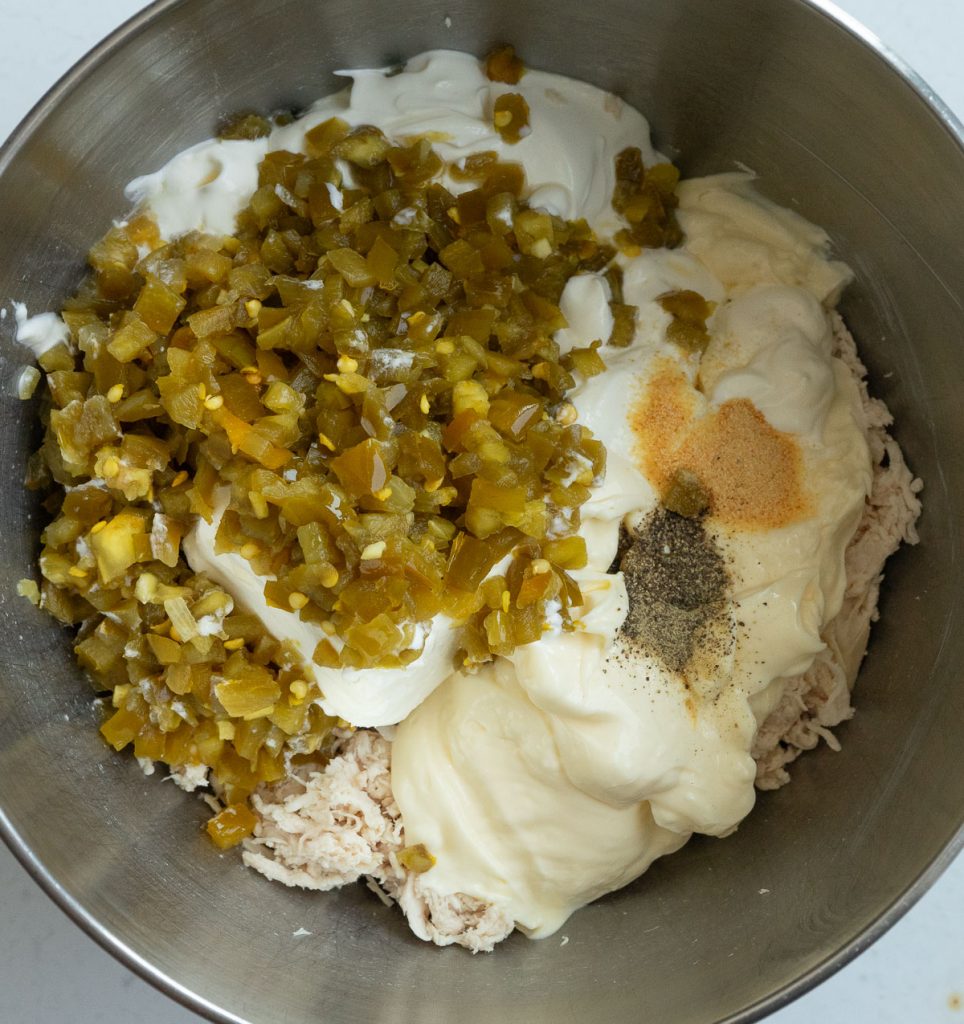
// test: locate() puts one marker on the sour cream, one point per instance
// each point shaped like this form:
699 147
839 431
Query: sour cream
363 697
446 97
40 332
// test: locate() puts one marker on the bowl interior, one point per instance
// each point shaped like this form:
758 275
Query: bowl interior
722 930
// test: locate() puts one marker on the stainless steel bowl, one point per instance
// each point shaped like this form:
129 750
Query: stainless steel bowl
835 127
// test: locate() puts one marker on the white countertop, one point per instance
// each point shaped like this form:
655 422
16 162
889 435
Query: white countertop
51 972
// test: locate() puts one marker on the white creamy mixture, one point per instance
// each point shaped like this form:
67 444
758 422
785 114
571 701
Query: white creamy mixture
558 774
361 696
446 97
41 332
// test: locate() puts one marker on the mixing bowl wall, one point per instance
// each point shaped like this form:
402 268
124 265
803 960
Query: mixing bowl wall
833 131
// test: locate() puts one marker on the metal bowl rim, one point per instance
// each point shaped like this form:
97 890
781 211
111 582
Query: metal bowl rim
114 945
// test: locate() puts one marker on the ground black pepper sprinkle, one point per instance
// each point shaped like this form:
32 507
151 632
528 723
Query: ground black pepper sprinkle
677 584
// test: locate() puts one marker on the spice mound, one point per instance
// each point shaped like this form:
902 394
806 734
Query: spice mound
677 584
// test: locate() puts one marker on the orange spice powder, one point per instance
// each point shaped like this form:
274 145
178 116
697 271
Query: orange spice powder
752 471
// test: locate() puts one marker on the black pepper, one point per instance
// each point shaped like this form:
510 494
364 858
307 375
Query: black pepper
677 584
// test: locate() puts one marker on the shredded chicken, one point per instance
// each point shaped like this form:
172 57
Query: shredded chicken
323 828
816 701
188 776
326 827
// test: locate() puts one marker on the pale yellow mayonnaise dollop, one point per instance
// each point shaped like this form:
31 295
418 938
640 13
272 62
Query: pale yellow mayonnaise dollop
546 779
